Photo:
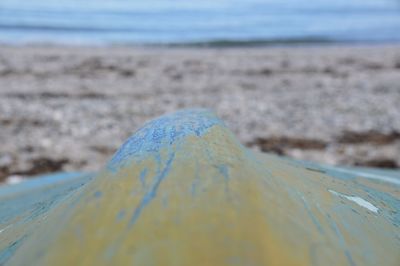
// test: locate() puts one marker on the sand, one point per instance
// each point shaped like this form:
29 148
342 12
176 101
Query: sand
70 108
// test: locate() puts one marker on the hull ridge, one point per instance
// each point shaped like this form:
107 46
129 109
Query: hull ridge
183 191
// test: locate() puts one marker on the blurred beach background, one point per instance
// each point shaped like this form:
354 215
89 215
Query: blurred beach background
315 80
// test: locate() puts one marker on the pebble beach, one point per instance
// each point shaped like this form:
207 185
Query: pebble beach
68 108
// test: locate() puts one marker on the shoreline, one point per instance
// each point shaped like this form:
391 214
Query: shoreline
68 108
216 44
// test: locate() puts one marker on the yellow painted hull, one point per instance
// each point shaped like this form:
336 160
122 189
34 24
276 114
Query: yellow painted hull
183 191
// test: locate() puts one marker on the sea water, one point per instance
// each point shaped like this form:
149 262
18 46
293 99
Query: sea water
198 21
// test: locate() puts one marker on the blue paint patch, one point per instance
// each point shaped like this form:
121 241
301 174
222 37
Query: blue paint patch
313 218
196 180
121 215
193 188
29 199
161 132
165 201
224 171
341 241
391 210
9 251
43 181
142 177
349 257
98 194
152 192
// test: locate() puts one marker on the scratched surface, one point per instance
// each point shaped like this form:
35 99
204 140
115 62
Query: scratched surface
183 191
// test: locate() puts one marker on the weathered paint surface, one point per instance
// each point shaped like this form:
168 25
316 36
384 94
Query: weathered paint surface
183 191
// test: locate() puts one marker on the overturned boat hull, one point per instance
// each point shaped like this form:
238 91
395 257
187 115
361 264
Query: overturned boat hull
183 191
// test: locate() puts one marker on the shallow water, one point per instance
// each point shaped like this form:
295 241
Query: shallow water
182 21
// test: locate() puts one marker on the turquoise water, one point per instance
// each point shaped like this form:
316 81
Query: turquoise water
198 21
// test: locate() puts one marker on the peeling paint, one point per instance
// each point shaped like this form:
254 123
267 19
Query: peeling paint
360 201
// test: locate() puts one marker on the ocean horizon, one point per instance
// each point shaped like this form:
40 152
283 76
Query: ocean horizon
179 22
